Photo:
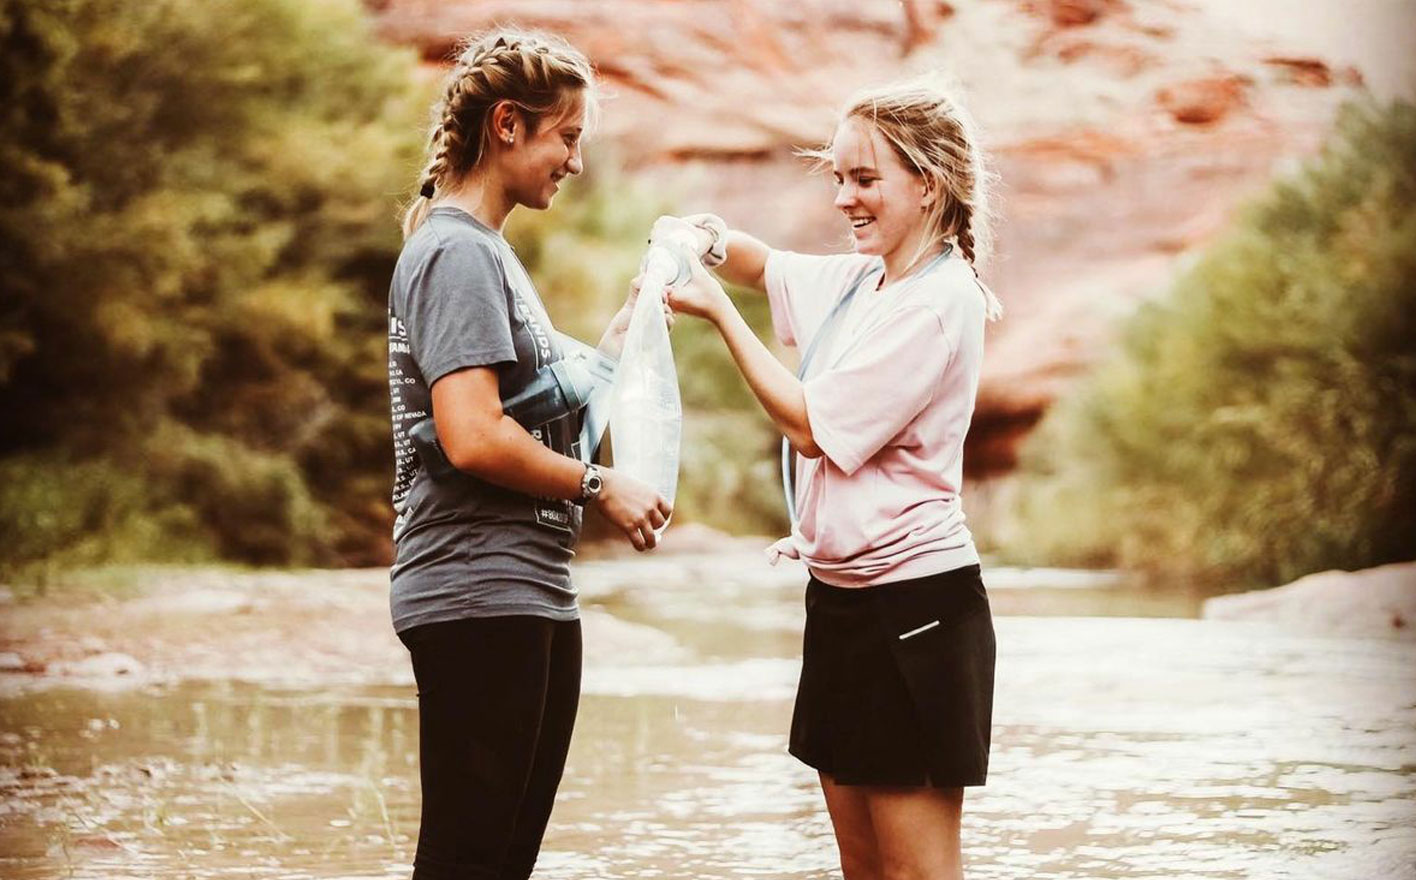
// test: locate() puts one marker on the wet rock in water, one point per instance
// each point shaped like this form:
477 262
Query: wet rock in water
1372 602
611 641
13 662
109 665
96 843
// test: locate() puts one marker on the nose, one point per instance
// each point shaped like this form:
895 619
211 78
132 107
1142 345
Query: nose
845 195
575 164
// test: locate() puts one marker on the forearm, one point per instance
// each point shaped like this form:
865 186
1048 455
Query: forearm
501 452
746 262
780 392
612 342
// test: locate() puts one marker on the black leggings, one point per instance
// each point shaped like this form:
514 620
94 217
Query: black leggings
496 704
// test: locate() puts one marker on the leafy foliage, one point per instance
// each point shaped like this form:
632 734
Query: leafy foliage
197 228
196 235
1259 422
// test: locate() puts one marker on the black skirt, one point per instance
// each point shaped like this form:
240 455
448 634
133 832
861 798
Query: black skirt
897 682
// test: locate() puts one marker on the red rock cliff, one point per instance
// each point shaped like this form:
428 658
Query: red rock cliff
1122 133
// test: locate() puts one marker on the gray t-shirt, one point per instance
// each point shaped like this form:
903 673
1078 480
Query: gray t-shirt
466 548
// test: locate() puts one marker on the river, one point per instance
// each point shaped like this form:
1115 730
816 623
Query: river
1124 747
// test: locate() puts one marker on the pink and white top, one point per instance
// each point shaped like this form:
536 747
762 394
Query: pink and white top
889 404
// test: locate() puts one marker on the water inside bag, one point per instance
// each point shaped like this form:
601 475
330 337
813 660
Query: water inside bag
646 415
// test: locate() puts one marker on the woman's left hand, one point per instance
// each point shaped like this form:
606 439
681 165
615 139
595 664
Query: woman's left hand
628 308
701 296
613 341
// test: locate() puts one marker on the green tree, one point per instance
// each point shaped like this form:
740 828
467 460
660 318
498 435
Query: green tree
197 228
1259 422
196 232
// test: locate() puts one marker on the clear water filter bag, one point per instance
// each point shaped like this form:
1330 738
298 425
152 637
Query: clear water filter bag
646 415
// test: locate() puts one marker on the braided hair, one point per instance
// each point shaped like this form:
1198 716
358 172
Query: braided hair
540 74
933 135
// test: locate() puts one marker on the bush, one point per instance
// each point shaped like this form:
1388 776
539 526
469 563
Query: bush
197 227
1259 422
61 513
182 498
197 231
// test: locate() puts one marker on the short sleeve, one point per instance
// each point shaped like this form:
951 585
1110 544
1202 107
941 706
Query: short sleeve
802 288
882 383
458 314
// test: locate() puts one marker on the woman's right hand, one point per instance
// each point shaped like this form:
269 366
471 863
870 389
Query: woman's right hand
669 227
633 507
701 296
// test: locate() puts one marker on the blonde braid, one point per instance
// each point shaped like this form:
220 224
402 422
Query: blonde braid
535 72
933 136
468 82
964 234
962 223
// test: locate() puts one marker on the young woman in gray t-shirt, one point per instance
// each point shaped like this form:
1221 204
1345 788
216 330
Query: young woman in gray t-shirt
481 591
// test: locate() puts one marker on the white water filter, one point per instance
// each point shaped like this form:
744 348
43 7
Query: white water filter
646 414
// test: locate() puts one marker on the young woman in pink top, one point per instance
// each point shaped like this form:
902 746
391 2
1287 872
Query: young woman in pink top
895 702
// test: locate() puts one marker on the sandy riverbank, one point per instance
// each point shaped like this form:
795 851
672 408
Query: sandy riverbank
307 628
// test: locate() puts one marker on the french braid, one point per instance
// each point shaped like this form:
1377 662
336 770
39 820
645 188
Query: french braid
536 72
932 134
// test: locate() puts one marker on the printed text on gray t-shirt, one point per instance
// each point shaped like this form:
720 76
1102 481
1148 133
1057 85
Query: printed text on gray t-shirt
467 548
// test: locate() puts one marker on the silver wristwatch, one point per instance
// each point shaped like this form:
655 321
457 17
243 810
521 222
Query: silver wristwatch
591 484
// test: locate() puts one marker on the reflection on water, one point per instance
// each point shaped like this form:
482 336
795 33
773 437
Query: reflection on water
1125 748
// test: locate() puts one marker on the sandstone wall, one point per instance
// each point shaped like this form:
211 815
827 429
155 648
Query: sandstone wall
1123 135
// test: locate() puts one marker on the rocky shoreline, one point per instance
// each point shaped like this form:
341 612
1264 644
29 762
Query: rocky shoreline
326 627
1378 602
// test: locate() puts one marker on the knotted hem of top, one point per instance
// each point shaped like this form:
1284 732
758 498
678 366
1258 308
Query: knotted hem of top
784 547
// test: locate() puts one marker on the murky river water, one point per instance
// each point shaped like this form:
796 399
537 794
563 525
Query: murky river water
1124 748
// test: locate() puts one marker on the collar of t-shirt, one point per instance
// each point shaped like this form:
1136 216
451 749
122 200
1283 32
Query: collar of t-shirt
871 302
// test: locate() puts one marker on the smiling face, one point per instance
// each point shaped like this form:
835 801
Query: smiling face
882 198
537 161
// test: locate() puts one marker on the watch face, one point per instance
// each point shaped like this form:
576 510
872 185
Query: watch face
592 483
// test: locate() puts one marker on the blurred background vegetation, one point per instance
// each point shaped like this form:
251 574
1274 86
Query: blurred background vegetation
1258 422
197 226
195 239
582 254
